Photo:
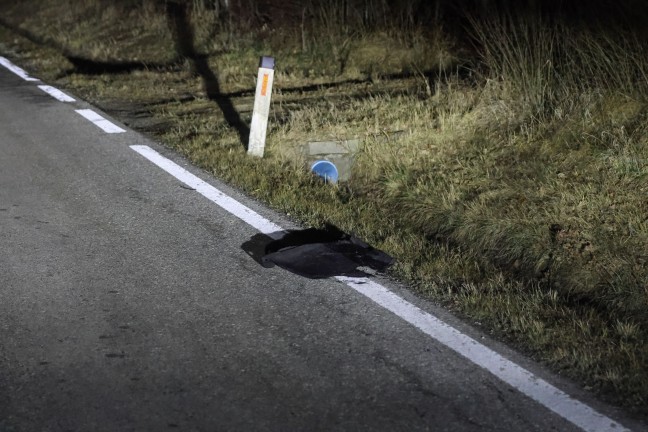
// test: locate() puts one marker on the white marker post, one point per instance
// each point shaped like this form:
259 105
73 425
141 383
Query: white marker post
256 144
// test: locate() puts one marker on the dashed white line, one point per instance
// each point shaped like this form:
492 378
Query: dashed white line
99 121
56 93
15 69
541 391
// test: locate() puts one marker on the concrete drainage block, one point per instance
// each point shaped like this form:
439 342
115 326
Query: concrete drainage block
340 153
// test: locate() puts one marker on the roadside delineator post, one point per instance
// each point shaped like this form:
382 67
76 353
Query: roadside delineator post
256 143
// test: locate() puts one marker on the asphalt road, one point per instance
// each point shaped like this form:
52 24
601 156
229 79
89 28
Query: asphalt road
127 303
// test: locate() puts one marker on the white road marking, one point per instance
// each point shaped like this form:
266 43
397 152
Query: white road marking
100 122
511 373
514 375
15 69
56 93
208 191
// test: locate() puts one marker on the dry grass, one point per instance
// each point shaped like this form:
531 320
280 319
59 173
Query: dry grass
516 197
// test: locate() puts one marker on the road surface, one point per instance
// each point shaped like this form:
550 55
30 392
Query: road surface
128 304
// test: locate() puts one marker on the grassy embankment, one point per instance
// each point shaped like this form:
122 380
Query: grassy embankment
516 195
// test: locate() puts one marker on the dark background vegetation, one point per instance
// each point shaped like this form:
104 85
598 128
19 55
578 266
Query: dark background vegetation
389 14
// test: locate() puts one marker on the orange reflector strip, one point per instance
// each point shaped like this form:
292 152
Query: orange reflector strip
264 85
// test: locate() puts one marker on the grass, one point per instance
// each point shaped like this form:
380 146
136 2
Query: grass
514 194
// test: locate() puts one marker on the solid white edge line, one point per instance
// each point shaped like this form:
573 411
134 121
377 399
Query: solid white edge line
208 191
511 373
56 93
99 121
17 70
539 390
